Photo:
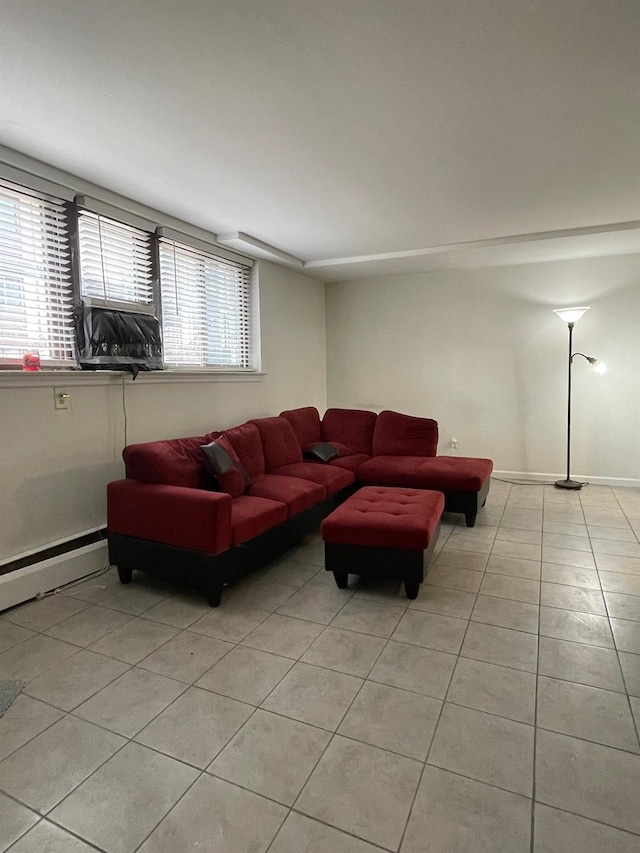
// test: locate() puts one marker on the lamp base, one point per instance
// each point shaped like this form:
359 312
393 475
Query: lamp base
568 484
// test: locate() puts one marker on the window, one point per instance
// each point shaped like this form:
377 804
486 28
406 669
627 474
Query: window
36 301
69 263
115 261
206 308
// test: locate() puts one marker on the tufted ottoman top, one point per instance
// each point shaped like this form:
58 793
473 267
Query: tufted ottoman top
385 517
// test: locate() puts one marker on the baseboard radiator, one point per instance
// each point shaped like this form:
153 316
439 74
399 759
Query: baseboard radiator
24 577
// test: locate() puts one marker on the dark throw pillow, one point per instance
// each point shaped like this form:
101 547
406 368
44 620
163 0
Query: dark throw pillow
324 451
216 459
222 463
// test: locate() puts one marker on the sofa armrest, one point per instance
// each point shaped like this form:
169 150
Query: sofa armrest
175 515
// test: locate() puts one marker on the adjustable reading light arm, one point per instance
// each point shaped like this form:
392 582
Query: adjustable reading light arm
589 358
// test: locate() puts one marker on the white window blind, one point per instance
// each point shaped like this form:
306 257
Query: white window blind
206 308
36 302
115 260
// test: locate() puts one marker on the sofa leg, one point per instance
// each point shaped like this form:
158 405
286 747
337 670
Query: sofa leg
124 574
342 579
471 519
214 595
412 588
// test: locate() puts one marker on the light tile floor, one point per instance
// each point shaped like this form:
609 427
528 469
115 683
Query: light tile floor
496 713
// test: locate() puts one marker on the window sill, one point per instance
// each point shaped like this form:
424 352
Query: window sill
55 378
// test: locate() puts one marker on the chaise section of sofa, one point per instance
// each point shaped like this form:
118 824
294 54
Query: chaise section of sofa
394 449
404 454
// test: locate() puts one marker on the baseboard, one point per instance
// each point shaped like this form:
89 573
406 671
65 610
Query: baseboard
617 482
22 584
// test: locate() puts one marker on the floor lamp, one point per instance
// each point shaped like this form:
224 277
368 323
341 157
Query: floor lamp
571 317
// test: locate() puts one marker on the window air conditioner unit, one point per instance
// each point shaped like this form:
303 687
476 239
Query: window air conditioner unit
117 336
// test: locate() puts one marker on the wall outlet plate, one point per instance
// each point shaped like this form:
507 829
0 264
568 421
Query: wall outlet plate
61 400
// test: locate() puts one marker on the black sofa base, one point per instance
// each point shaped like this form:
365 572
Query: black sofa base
408 566
211 572
467 503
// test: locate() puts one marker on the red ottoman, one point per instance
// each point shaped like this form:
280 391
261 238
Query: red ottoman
383 532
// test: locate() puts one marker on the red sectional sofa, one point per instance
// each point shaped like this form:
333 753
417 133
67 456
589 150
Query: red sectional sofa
172 517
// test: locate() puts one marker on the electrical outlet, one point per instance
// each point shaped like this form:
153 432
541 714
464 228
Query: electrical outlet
61 400
453 443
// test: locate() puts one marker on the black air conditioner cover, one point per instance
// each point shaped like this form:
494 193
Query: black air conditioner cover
115 339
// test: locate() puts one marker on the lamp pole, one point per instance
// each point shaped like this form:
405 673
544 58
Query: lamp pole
569 483
571 316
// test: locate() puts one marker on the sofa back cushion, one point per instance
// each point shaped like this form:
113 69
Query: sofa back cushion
279 443
404 435
174 462
352 428
245 440
306 425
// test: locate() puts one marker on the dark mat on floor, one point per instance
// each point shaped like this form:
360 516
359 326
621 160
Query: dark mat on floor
9 690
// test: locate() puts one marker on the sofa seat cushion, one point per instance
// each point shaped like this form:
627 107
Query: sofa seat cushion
349 462
443 473
245 440
251 516
350 427
297 494
386 518
333 479
305 423
174 462
279 443
404 435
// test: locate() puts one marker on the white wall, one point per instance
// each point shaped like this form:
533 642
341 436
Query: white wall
482 353
56 464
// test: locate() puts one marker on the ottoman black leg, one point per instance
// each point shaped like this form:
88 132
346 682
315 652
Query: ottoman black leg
471 519
124 574
342 579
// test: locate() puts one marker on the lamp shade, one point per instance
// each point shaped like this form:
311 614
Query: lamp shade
571 315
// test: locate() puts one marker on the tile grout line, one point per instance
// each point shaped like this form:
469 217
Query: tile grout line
332 733
636 723
435 729
437 725
65 829
535 714
335 732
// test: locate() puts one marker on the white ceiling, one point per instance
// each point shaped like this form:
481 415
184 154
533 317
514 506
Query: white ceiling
337 129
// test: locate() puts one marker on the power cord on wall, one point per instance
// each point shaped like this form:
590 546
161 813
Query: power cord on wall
124 410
